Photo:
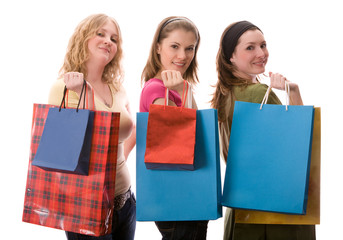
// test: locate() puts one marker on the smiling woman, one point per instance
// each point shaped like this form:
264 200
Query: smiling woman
241 57
94 54
251 54
172 61
177 51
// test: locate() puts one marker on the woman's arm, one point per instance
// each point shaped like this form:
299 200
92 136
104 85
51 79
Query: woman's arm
130 143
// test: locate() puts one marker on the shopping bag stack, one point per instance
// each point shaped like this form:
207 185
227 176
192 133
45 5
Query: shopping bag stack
312 215
69 201
169 195
269 158
170 137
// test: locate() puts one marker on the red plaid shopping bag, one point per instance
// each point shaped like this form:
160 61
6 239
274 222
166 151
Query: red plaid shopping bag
75 203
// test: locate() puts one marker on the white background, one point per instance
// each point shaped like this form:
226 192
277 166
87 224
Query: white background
305 44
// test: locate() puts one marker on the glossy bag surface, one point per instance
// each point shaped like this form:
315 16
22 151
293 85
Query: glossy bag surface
70 202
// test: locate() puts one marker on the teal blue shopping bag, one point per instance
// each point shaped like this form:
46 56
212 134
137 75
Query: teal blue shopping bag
168 195
269 158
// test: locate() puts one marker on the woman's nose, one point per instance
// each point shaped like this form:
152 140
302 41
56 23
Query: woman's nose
261 52
182 54
108 42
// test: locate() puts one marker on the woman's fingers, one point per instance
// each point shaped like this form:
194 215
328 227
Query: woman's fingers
73 81
172 79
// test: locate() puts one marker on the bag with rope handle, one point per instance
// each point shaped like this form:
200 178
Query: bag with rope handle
171 136
269 156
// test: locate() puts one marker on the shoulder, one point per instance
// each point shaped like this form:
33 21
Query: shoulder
56 92
153 87
255 93
250 93
153 84
152 90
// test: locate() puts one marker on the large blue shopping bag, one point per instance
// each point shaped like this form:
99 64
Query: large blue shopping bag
167 195
269 156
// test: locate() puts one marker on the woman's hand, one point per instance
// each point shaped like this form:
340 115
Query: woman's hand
173 80
74 81
278 81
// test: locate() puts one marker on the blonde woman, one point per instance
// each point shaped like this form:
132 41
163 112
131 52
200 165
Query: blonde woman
94 53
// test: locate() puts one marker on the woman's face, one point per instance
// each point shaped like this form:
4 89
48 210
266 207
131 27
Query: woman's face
251 54
103 46
177 50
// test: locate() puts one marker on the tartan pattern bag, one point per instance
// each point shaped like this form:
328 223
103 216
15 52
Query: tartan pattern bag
75 203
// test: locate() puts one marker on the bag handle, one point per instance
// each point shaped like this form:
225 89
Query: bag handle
184 95
84 93
265 98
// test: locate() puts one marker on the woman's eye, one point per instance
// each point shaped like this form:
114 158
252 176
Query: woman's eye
250 48
264 45
190 49
174 46
114 40
100 34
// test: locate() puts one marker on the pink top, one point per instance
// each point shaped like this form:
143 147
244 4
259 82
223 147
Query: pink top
154 89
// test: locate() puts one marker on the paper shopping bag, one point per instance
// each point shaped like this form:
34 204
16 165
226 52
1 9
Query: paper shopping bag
75 203
167 195
171 136
313 205
268 160
66 141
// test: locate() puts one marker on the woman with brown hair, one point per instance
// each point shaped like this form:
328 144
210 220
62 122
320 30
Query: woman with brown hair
172 60
242 56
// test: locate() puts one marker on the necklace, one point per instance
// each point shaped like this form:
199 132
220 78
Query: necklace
107 104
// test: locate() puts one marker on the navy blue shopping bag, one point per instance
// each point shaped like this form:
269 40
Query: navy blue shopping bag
66 140
269 157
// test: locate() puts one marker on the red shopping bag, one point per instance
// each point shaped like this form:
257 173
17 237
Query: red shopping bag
171 136
75 203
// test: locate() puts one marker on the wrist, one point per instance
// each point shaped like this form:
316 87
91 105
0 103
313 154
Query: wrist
293 87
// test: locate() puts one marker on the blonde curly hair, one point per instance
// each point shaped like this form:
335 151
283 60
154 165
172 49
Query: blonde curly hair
78 52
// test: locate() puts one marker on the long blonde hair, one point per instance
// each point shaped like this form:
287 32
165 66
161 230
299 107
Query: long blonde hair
154 64
78 53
